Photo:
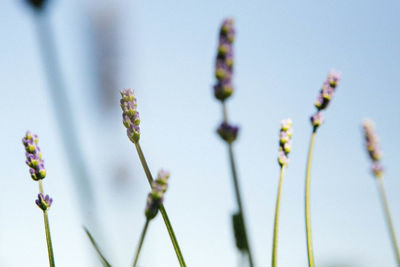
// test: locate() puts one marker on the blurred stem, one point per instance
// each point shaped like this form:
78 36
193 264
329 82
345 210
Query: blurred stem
41 187
307 202
276 224
239 200
63 114
386 209
162 209
224 112
96 247
48 239
144 231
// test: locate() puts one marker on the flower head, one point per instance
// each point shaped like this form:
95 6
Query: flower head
156 196
130 115
228 132
373 148
44 202
285 142
224 62
34 156
326 94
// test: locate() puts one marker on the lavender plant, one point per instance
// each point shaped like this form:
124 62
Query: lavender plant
327 92
223 89
285 145
131 121
375 154
154 200
38 173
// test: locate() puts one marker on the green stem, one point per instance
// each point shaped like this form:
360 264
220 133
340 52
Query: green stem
276 224
41 187
239 200
307 203
48 239
96 247
224 112
141 242
162 209
385 205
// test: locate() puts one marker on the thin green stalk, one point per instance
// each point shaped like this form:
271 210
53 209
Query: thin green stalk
162 209
239 201
96 247
385 205
276 224
48 239
41 187
224 112
144 231
307 203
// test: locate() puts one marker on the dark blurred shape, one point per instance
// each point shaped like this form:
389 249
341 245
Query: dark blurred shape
38 4
238 230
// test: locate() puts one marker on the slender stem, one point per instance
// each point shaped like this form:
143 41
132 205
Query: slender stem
48 239
224 112
385 205
162 209
63 110
41 187
239 200
144 231
276 224
307 203
96 247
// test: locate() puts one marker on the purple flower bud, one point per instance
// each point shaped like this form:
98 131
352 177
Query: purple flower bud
162 179
372 145
285 142
228 132
34 156
130 115
44 202
224 62
317 119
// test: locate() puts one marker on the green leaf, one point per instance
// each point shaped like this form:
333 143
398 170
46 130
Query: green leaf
96 247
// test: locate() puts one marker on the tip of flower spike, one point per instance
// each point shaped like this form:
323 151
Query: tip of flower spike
285 142
334 77
228 132
372 146
130 115
44 202
33 156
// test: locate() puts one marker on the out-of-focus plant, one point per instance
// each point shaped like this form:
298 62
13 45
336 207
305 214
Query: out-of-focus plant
285 145
223 89
38 172
327 92
375 154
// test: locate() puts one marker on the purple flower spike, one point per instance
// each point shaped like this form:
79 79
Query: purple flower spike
285 142
326 94
130 115
44 202
228 132
34 156
156 196
224 62
372 145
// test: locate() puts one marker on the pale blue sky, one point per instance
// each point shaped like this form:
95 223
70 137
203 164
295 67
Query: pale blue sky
165 51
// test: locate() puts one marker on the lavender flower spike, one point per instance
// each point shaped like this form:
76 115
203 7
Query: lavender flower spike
34 156
44 202
326 94
156 196
372 145
224 62
228 132
130 115
285 142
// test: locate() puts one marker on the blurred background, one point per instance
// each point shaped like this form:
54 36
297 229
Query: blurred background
165 51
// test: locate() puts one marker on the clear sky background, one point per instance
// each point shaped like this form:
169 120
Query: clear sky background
165 50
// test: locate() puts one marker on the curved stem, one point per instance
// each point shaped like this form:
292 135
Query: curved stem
162 209
144 231
239 201
276 223
48 239
307 203
385 205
